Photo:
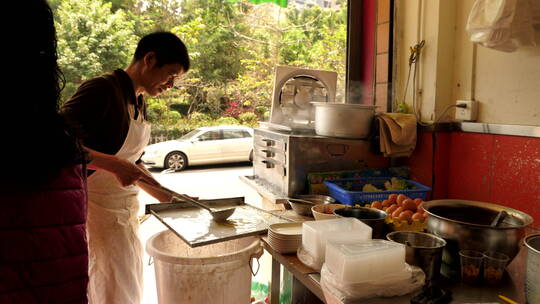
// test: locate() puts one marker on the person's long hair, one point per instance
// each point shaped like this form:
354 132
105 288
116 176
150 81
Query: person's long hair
37 143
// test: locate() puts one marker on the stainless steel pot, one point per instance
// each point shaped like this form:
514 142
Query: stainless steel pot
343 119
467 225
532 283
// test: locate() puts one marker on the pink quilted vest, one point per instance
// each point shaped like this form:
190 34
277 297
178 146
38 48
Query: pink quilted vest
43 247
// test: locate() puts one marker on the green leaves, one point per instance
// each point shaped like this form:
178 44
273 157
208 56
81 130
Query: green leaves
282 3
234 47
92 40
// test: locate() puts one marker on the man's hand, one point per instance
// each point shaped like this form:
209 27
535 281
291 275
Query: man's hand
126 173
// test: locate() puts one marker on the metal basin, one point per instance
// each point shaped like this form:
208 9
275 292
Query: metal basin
301 207
466 225
371 217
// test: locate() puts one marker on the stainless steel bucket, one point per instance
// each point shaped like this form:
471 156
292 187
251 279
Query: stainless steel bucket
532 283
423 250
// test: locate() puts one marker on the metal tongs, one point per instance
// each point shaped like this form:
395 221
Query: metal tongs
217 215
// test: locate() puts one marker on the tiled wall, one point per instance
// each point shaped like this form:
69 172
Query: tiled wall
500 169
382 53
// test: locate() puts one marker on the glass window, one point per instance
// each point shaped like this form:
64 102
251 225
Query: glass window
210 135
231 134
190 134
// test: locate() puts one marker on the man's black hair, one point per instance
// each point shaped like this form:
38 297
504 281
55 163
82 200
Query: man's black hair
169 49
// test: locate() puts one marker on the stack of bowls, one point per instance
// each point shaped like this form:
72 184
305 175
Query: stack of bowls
285 237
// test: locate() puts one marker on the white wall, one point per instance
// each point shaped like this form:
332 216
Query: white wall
507 85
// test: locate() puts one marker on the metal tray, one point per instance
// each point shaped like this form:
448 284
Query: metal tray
196 227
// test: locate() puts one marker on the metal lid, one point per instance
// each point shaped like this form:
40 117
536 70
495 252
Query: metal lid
294 90
197 228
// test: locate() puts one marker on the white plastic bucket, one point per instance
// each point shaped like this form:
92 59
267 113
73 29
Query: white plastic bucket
218 273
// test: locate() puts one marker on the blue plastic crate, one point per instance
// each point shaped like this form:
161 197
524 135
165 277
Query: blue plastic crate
349 190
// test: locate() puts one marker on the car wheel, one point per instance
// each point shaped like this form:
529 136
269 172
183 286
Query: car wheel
251 156
175 160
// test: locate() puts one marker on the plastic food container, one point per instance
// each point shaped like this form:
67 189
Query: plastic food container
358 262
349 190
315 234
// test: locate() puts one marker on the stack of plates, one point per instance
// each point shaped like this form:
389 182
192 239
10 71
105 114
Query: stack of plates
285 237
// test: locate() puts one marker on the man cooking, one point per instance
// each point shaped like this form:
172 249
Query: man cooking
109 116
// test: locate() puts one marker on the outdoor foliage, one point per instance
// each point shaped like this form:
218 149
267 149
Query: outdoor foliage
91 40
234 49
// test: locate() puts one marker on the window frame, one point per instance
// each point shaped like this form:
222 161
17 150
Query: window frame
361 63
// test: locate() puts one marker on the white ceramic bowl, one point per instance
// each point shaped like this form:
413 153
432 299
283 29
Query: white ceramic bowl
325 211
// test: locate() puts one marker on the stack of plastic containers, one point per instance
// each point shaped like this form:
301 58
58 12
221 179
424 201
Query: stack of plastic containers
364 261
316 234
367 269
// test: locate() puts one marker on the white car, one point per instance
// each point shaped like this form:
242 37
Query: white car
206 145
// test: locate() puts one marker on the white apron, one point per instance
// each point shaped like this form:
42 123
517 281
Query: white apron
115 250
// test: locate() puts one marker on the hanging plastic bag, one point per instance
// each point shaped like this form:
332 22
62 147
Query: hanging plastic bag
503 25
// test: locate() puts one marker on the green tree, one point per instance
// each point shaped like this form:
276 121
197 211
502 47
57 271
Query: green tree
214 48
92 40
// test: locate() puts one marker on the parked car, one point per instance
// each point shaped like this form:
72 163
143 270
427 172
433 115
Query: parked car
206 145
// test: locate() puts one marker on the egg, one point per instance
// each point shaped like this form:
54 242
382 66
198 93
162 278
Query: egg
400 199
409 204
391 209
420 207
397 212
418 216
405 216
